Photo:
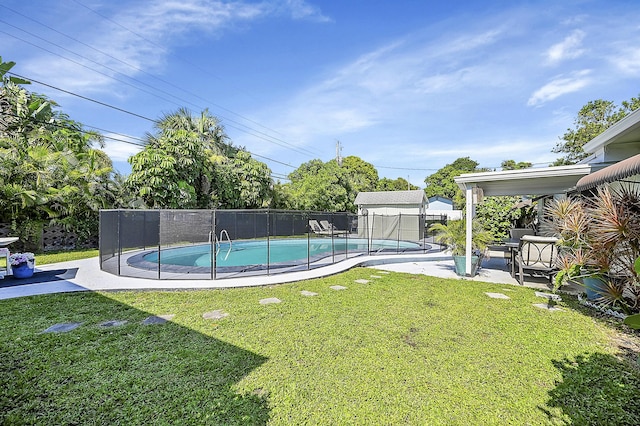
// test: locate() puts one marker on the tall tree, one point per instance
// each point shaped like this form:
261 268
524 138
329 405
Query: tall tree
512 165
592 119
362 176
318 186
189 162
441 183
398 184
49 170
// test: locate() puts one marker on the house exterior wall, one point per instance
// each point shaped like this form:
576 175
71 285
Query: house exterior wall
439 205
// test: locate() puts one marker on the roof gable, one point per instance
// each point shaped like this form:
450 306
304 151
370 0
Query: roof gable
391 197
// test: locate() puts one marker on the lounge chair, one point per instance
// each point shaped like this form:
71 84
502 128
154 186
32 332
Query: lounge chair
537 255
328 227
314 225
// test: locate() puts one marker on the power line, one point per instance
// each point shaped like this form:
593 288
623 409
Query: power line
242 128
260 134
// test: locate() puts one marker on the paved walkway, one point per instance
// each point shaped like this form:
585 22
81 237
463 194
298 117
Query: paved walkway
89 277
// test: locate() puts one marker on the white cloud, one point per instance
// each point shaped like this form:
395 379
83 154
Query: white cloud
569 48
627 61
142 37
121 148
560 86
300 9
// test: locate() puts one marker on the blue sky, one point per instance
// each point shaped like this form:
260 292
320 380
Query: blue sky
407 85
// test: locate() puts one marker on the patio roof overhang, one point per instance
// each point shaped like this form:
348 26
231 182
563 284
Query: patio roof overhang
533 181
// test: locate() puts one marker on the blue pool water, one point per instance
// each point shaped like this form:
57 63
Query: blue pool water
261 252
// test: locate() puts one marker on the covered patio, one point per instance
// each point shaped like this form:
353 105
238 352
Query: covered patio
534 182
613 156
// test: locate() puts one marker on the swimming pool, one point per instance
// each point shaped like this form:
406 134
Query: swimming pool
276 252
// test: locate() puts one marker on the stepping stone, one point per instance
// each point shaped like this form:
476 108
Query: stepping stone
550 296
113 323
383 272
363 281
507 289
497 296
308 293
215 315
63 327
375 276
157 319
547 307
270 300
337 287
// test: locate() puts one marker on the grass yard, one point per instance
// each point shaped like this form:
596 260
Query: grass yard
64 256
402 349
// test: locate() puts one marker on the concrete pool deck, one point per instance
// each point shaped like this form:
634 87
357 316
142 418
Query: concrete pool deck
88 276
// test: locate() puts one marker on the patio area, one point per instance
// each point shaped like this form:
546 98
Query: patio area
85 275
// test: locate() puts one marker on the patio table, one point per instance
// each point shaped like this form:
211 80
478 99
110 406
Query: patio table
513 244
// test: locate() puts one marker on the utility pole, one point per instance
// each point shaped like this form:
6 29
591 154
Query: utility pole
338 153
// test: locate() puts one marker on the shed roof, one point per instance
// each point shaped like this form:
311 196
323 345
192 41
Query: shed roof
391 197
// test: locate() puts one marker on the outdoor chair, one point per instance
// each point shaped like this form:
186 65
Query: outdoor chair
329 228
518 233
316 228
537 255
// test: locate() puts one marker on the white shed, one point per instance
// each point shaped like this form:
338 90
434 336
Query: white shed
391 214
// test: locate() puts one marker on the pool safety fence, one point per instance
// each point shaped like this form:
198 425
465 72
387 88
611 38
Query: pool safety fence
217 244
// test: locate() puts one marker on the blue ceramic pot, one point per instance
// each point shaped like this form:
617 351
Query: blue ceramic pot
594 286
22 270
460 263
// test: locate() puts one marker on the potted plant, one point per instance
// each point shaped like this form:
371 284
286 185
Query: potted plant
454 236
22 264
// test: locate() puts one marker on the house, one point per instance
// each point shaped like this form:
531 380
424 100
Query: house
391 214
614 156
441 206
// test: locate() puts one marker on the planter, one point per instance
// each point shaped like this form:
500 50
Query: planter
594 286
461 267
22 270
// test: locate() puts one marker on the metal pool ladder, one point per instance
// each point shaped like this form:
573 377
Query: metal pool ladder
222 233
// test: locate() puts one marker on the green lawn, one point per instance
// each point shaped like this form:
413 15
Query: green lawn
402 349
64 256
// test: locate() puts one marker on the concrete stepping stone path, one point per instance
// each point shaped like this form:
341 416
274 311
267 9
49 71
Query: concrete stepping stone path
363 281
375 276
547 307
497 296
215 315
308 293
270 300
63 327
338 287
550 296
158 319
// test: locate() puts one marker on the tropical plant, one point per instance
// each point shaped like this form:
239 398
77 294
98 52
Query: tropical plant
50 172
600 236
453 234
189 162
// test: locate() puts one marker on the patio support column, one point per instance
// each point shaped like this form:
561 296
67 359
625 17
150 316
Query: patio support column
469 226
